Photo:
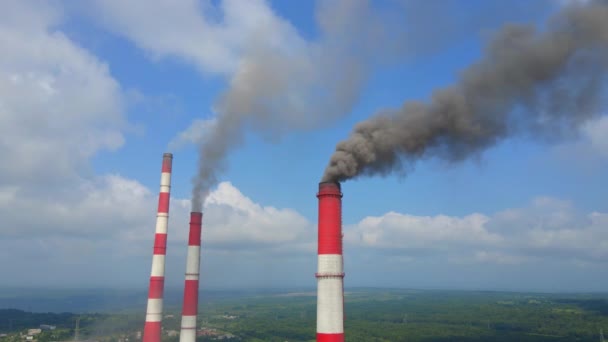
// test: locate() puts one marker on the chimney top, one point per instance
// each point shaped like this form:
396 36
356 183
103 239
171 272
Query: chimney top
332 184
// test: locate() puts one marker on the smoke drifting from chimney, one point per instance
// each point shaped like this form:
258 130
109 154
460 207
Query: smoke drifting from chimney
542 83
286 83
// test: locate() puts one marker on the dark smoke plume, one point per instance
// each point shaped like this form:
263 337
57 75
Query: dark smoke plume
285 86
289 83
539 83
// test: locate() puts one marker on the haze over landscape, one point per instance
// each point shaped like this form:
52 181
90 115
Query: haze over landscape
252 98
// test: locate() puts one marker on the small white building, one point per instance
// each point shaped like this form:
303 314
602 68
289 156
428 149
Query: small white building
32 332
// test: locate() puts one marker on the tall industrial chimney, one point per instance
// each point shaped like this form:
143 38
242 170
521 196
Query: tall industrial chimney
190 308
330 274
154 311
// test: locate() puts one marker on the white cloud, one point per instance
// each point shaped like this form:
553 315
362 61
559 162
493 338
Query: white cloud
393 230
597 135
111 220
231 219
113 207
210 37
544 213
59 104
103 208
548 229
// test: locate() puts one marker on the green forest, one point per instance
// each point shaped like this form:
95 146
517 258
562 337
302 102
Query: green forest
371 315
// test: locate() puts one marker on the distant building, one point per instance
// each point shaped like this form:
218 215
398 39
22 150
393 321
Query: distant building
47 327
226 337
31 332
172 333
207 332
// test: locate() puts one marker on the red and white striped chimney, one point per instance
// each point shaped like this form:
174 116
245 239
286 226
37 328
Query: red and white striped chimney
330 274
154 311
190 308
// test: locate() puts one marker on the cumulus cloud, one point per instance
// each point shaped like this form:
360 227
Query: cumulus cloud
112 218
401 231
100 208
234 220
548 228
210 37
59 104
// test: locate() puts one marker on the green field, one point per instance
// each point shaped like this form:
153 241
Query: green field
371 315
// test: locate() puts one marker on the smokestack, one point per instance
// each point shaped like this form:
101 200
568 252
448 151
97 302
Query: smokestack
330 274
154 311
190 308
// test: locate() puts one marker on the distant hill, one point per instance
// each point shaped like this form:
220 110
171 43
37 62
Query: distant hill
110 300
73 300
13 320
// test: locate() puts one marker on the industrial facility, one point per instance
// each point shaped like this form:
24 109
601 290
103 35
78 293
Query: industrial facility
330 271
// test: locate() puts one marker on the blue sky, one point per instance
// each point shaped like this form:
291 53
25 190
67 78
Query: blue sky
92 94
